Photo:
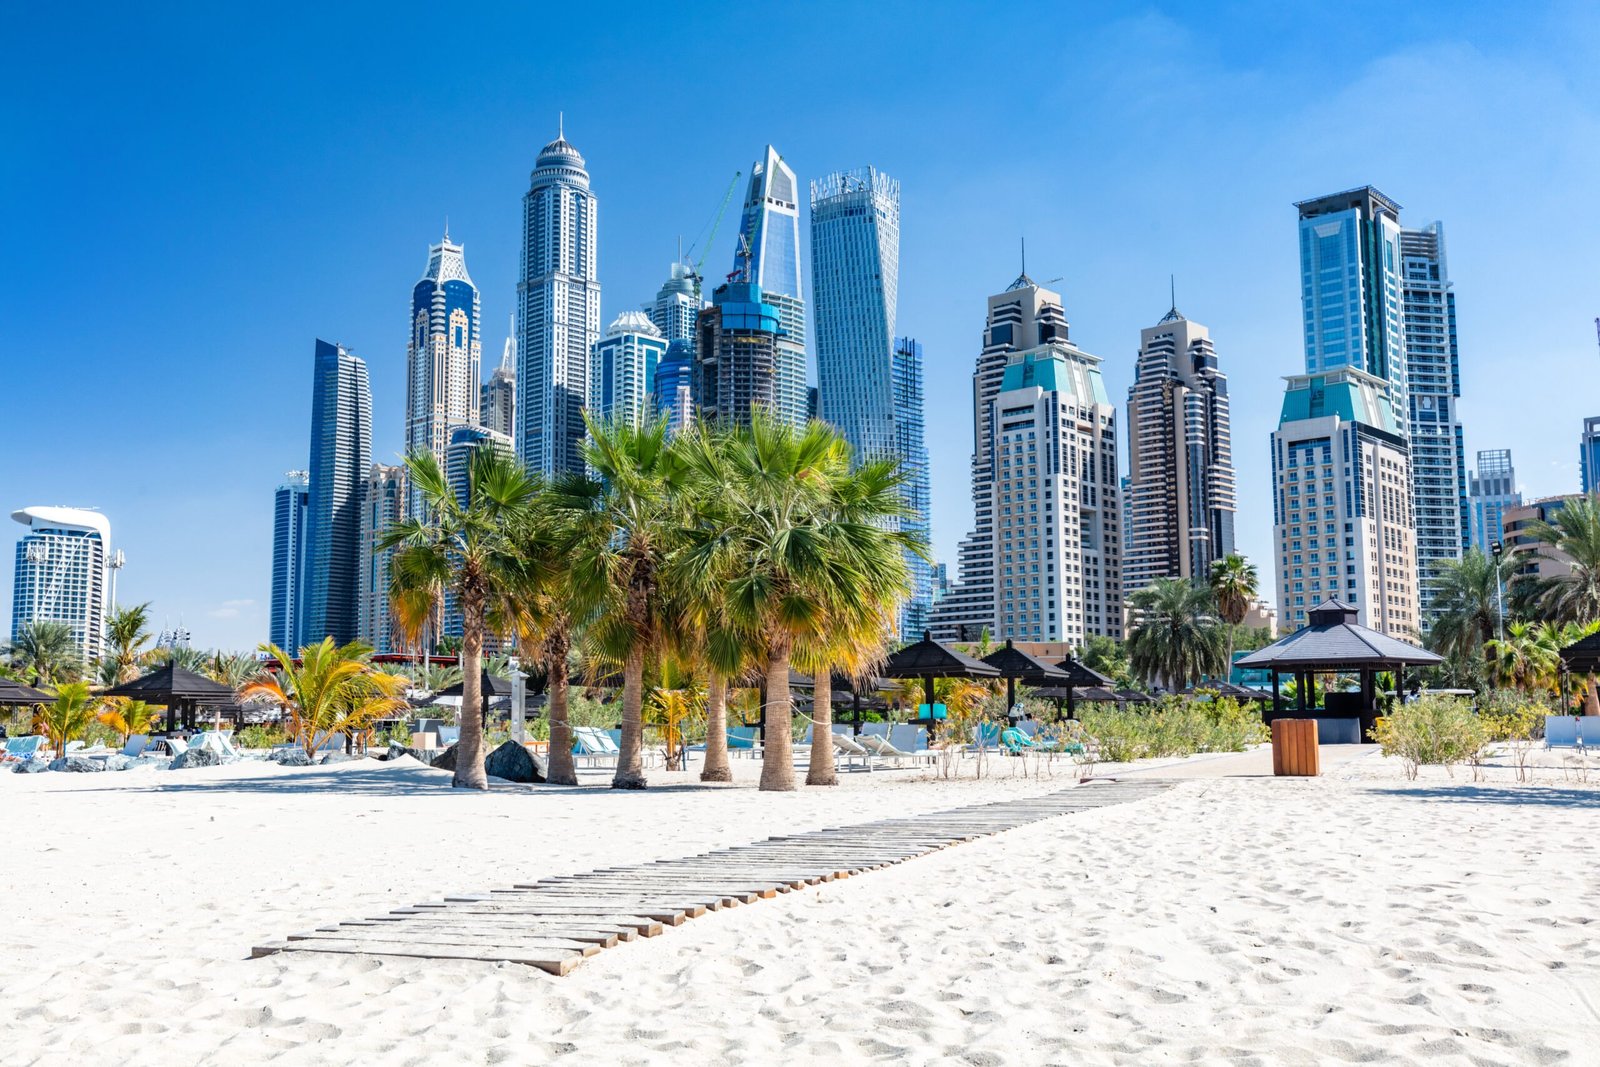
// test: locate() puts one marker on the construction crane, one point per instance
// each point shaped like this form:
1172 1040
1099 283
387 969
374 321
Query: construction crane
741 259
716 221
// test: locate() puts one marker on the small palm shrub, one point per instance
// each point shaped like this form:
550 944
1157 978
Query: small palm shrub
262 735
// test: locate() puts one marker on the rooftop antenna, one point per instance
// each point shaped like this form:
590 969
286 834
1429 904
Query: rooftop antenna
447 227
1172 282
561 125
1024 241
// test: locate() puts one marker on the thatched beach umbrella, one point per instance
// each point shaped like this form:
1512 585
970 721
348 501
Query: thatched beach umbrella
15 694
1016 666
1080 676
181 692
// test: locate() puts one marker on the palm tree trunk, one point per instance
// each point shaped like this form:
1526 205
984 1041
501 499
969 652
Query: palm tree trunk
777 749
561 769
469 750
821 770
716 768
630 765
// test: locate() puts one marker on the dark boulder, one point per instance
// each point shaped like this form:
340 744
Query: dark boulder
445 760
196 757
77 764
515 763
32 766
290 757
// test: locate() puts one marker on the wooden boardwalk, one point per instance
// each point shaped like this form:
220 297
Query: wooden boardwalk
555 923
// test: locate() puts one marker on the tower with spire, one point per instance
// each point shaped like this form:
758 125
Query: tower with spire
444 353
499 396
1181 494
558 309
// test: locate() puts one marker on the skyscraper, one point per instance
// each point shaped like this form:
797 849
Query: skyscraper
1047 501
912 450
60 573
1589 454
383 503
341 452
855 273
1341 475
1493 492
287 613
677 304
737 355
768 257
558 298
444 354
674 388
1025 316
498 409
465 442
1351 287
1180 486
1438 450
622 370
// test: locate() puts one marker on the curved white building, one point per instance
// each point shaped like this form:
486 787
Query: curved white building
61 573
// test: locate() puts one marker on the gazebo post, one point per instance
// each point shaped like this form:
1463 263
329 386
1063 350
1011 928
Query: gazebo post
1072 704
855 708
1277 696
927 683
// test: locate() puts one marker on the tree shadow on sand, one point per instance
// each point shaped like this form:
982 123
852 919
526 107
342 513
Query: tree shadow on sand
1510 795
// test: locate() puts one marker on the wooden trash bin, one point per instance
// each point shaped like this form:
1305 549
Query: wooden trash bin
1294 748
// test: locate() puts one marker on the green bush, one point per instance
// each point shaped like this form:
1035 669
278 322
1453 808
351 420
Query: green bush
261 736
1434 730
1176 726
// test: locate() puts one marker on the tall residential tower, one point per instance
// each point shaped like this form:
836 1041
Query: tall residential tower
287 610
445 352
60 574
768 256
1493 492
558 302
1180 488
498 409
341 453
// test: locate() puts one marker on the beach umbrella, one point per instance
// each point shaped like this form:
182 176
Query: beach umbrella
928 660
1016 666
181 692
1080 677
15 694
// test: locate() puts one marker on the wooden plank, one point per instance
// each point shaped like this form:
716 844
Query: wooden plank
550 962
445 937
603 938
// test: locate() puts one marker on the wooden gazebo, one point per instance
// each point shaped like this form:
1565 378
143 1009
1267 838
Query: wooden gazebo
928 660
182 692
1332 642
15 694
1016 666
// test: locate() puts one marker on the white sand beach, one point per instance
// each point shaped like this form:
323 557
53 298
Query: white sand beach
1352 918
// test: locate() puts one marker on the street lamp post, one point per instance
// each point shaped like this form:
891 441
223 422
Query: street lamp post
1497 550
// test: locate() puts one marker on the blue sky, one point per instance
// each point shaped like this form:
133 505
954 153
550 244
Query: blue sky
198 193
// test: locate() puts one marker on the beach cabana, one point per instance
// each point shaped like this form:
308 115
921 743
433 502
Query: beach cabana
1016 666
860 694
1332 642
1080 676
928 660
15 694
181 692
1133 696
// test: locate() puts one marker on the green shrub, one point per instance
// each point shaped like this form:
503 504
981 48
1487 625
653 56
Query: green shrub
1434 730
1176 726
262 735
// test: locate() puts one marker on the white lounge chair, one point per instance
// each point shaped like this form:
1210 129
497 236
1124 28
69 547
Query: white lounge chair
136 745
176 746
852 751
216 741
593 746
881 748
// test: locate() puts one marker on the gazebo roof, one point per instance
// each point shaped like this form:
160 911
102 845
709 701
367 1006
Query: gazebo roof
1228 689
493 686
1582 655
1133 696
930 657
1078 675
1012 662
1333 641
14 693
170 683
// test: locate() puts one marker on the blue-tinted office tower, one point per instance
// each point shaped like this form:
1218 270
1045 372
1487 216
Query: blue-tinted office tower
855 275
674 386
768 256
444 353
341 452
912 450
558 305
1589 454
288 561
1492 492
1351 286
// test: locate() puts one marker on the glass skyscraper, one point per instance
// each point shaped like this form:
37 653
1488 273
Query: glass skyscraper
1589 454
61 575
622 371
855 275
1493 491
445 352
674 386
769 258
1438 448
558 298
383 503
677 304
341 453
912 450
287 610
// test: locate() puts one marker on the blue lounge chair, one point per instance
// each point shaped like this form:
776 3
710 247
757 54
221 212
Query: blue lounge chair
23 748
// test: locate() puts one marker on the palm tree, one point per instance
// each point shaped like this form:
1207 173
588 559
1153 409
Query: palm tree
335 690
128 717
232 669
468 546
47 650
1528 656
68 716
1234 585
126 636
636 502
184 657
1467 603
794 557
853 645
1175 639
1571 536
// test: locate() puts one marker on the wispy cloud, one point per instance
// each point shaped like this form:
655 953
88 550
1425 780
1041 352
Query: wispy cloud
230 609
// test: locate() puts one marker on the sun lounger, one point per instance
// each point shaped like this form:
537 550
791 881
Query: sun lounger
19 749
593 746
1588 729
217 742
880 747
985 735
909 738
136 745
177 746
851 751
1560 731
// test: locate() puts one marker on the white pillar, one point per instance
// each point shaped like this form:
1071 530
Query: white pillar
519 730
